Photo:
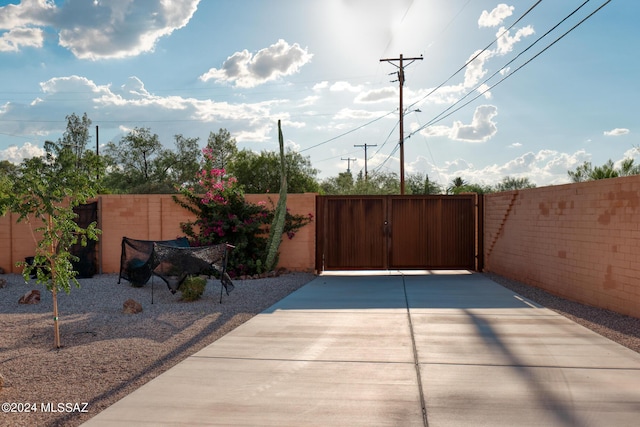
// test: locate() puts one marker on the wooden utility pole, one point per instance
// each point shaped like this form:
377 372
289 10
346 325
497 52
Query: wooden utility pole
401 80
349 160
366 174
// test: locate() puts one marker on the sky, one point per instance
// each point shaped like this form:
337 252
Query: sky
491 89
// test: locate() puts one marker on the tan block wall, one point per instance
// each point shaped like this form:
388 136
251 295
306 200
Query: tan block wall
579 241
154 217
299 253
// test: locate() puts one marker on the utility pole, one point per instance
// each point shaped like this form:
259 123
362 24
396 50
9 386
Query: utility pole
97 151
349 160
400 73
365 157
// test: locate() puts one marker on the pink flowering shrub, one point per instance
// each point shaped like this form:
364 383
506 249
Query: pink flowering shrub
224 216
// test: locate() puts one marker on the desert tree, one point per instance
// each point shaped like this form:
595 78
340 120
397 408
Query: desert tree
44 194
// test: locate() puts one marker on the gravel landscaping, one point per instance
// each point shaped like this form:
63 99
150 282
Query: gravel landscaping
107 354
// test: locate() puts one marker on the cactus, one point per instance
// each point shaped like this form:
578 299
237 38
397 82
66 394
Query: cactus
279 216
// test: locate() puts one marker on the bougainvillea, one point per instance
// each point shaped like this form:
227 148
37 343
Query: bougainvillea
224 216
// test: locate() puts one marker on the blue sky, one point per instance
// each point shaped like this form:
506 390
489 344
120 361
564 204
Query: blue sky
192 67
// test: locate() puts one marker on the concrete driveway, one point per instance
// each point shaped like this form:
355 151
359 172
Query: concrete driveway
433 349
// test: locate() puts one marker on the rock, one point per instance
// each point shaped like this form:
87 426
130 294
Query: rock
31 297
3 283
1 381
131 307
1 270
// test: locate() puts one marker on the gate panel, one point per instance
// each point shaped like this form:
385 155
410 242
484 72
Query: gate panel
354 233
409 235
457 233
397 232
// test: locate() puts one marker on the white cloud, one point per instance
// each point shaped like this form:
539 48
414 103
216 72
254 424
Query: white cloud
16 154
496 16
309 100
434 131
616 132
26 13
481 128
515 145
257 134
475 69
377 95
130 104
17 38
483 89
344 87
348 113
506 41
546 167
443 95
95 30
247 70
320 86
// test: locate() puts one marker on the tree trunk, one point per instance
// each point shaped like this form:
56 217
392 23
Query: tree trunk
56 328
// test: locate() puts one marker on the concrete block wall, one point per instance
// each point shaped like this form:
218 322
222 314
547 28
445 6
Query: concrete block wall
579 241
154 217
299 253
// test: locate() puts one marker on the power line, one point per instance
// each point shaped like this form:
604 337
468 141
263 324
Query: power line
346 133
476 55
442 116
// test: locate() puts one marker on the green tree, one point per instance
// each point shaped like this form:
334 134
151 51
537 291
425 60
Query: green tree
581 173
179 167
77 135
628 167
341 184
418 183
509 183
8 174
376 183
259 173
476 188
588 172
457 186
131 161
43 195
223 148
139 163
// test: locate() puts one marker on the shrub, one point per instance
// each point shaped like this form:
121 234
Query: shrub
192 288
224 216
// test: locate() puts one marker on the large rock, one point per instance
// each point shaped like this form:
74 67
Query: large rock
131 307
31 297
3 282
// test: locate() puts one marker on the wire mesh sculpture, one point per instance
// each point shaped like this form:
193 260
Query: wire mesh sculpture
174 264
136 258
172 261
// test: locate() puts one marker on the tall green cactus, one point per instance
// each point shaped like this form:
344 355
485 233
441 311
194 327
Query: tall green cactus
279 216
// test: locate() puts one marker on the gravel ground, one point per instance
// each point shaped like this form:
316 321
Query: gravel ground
107 354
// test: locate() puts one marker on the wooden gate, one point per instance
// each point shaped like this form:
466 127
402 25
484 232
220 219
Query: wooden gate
399 232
